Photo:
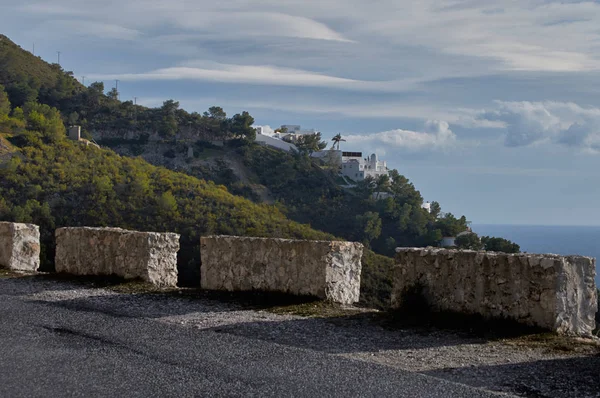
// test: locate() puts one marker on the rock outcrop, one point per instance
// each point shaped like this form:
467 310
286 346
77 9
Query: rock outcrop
19 246
328 270
150 256
554 292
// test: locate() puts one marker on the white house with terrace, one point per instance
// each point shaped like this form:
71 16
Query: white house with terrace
352 164
357 168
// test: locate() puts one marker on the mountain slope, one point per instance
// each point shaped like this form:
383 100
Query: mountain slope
56 182
46 186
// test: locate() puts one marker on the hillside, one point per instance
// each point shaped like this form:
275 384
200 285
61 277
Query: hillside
306 191
51 181
97 188
29 78
56 182
297 186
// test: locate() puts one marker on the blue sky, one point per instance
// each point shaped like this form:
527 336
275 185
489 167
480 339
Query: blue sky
492 110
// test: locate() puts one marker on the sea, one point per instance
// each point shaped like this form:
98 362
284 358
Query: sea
565 240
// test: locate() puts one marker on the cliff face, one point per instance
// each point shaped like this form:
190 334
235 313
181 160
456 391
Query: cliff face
144 134
203 160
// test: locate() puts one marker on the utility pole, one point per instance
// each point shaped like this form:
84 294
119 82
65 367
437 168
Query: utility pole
117 88
58 52
135 110
33 52
83 80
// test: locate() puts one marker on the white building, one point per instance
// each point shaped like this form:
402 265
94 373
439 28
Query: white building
356 167
273 141
427 207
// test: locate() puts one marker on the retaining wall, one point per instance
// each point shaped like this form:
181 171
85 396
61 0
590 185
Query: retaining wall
549 291
328 270
149 256
19 246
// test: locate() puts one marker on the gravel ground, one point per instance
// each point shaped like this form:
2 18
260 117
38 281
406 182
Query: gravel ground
508 366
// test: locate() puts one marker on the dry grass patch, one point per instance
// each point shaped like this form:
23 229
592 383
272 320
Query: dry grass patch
556 343
9 273
319 309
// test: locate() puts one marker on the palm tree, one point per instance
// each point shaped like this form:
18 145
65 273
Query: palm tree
336 140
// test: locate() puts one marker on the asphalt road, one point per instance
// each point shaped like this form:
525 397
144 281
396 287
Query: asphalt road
49 350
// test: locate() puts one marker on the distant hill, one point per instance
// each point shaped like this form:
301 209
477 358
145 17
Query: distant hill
55 182
29 78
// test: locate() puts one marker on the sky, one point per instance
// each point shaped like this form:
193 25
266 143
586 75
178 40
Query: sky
490 108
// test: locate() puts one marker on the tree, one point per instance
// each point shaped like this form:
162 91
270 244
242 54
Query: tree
21 93
435 209
169 123
365 188
491 243
4 102
240 125
403 190
310 143
97 87
450 225
336 140
469 241
369 226
113 94
382 185
216 112
73 118
216 121
44 120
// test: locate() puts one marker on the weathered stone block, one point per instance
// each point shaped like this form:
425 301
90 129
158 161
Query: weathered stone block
19 246
554 292
328 270
150 256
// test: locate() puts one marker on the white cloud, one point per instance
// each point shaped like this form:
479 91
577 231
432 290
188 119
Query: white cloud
238 19
529 35
259 24
564 123
436 135
258 74
67 28
264 74
267 130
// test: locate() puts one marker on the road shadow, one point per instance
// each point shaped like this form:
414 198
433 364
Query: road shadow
336 334
17 284
302 322
556 378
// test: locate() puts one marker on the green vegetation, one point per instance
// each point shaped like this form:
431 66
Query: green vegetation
491 243
28 78
54 182
304 191
469 241
310 194
473 242
310 143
